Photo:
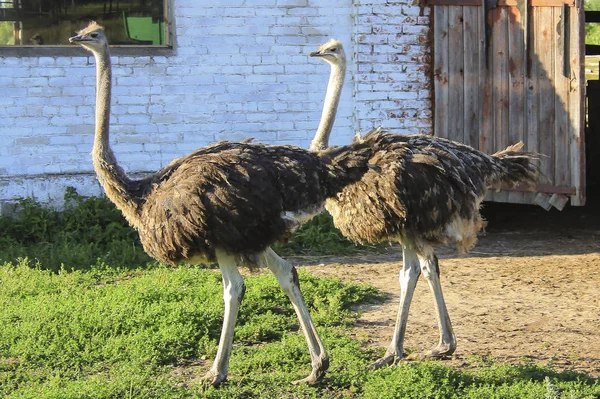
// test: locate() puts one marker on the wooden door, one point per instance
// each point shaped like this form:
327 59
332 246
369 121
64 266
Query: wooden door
521 79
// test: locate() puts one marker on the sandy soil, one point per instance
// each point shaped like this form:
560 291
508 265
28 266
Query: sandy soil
529 291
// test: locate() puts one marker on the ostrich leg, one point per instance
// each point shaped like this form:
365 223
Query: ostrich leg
233 293
409 275
288 279
431 272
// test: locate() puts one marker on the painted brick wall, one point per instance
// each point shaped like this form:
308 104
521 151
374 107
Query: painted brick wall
241 69
393 57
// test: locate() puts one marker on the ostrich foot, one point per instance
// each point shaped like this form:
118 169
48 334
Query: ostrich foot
312 379
317 373
214 378
442 351
387 360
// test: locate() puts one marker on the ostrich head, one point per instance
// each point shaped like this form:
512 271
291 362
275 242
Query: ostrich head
91 38
332 52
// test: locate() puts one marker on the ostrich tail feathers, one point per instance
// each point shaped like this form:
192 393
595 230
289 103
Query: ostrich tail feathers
372 134
519 167
517 147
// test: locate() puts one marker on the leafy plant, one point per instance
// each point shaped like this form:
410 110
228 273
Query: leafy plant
91 230
320 237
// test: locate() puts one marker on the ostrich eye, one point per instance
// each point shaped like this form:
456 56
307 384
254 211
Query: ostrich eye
94 35
333 50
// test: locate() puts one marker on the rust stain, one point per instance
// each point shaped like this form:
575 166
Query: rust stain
494 16
439 76
514 15
512 66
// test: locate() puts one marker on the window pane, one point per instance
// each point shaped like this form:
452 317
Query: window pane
7 34
39 22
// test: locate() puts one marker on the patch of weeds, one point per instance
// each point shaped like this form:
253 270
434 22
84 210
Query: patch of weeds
431 379
87 231
320 237
92 230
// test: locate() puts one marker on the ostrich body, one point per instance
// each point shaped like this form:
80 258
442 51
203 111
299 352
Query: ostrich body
227 202
426 191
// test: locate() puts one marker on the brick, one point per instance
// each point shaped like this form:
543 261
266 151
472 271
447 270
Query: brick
241 69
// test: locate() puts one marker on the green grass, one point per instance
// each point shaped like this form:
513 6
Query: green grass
106 333
110 323
93 229
591 67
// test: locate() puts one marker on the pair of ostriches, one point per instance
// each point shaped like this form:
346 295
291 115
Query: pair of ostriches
230 201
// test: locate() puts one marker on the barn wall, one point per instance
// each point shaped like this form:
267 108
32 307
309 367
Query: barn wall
240 69
519 93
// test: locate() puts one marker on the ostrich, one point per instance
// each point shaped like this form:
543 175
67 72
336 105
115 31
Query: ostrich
227 202
426 191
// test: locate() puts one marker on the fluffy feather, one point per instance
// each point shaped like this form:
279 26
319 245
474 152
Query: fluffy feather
426 188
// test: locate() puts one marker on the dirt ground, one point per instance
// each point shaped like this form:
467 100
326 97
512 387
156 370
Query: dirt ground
529 291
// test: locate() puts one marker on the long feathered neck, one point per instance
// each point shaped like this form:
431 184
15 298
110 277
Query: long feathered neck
110 175
330 106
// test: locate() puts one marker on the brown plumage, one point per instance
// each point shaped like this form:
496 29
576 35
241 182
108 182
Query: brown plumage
227 202
234 196
427 189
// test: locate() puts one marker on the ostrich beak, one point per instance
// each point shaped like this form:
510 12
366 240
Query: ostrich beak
316 54
75 39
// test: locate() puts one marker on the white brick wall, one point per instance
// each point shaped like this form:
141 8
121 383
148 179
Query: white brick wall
393 58
241 69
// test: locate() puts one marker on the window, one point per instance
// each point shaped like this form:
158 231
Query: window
35 23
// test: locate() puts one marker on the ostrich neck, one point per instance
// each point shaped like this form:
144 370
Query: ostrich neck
332 99
110 175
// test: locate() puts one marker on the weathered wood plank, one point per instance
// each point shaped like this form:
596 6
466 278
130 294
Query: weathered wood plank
544 188
531 98
456 81
516 94
440 76
472 71
500 39
546 94
501 3
562 167
576 102
504 103
486 136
